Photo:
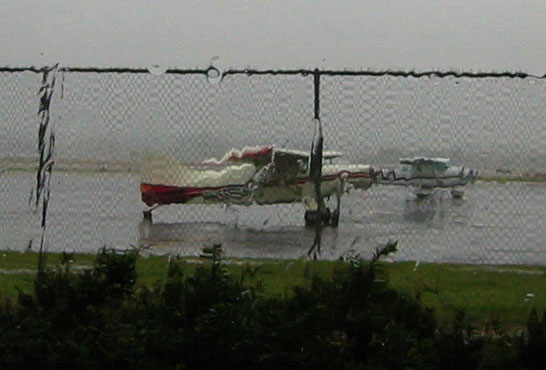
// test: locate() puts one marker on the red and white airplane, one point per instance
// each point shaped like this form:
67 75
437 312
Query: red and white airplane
254 175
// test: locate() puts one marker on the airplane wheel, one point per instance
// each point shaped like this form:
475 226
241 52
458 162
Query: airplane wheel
334 219
147 215
313 217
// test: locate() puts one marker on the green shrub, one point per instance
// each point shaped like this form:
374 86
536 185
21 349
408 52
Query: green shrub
533 346
96 319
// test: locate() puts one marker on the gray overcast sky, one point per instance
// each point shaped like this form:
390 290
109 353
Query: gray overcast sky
377 34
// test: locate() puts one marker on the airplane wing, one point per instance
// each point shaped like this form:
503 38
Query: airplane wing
257 155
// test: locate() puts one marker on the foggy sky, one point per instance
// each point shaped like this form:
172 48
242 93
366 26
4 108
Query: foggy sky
377 34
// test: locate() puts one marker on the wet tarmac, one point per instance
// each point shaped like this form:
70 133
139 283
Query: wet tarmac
493 224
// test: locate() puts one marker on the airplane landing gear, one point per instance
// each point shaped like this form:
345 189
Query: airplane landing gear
312 217
334 219
147 215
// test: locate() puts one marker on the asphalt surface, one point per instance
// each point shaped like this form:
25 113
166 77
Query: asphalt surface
493 224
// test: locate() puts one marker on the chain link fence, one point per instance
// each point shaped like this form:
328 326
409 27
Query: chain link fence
109 123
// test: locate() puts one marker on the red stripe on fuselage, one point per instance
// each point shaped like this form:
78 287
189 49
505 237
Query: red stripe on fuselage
165 194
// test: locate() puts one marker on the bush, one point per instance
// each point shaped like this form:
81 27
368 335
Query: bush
533 347
96 319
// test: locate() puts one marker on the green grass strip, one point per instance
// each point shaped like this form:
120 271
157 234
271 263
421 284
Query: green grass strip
485 293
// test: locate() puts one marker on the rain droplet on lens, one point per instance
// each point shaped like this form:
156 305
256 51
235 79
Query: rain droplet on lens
157 70
214 75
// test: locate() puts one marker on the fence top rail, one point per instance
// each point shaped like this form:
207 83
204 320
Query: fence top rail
303 72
